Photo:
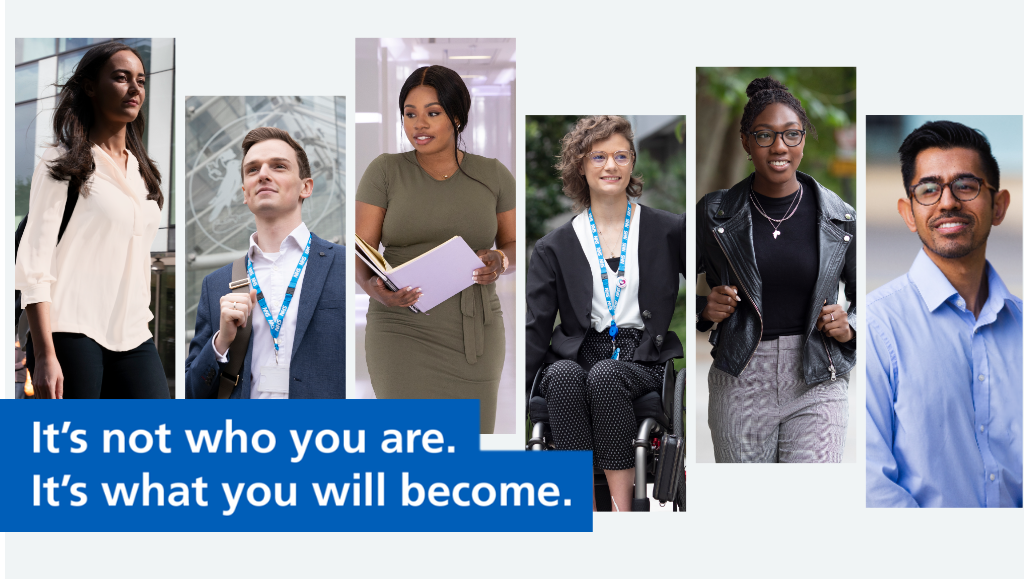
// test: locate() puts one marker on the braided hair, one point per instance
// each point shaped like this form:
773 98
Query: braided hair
765 91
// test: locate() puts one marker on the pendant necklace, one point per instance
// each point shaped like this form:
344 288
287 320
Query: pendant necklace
793 206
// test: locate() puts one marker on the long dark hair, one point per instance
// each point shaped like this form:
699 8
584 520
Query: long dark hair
73 119
452 94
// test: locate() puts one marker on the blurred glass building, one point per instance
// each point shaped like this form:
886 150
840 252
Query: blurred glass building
218 224
41 65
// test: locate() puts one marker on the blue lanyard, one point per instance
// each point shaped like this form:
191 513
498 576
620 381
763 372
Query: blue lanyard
620 281
275 326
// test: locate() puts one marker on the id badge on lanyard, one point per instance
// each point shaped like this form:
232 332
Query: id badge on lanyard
620 275
274 373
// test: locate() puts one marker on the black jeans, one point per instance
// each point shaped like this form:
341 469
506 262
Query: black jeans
92 371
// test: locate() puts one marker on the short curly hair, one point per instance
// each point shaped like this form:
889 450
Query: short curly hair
578 143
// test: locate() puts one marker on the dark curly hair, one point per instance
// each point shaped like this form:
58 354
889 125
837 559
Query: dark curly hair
946 135
73 119
762 92
578 143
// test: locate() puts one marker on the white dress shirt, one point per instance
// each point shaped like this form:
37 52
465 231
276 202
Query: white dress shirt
627 313
97 279
274 273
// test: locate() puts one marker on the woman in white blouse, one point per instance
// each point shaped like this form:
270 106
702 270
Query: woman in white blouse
611 275
88 295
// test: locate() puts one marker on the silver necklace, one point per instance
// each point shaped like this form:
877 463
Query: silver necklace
793 206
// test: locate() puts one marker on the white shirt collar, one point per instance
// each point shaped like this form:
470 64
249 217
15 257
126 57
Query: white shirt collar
299 236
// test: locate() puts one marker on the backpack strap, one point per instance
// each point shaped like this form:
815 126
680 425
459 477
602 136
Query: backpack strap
231 373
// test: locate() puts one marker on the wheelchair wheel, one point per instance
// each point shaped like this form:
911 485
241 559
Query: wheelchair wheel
679 504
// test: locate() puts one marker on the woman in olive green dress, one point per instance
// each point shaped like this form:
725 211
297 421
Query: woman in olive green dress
412 202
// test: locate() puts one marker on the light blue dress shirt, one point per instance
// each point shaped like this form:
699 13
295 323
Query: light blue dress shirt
944 394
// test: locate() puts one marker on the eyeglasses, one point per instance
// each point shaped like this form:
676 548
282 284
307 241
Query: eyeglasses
964 189
792 137
600 158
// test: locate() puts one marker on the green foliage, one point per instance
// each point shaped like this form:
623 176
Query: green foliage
544 197
664 183
679 322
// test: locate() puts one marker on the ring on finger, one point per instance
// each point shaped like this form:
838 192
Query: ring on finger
832 316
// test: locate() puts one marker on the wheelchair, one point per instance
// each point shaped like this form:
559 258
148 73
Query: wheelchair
660 414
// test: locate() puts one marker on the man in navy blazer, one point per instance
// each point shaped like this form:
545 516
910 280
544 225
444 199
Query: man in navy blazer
296 297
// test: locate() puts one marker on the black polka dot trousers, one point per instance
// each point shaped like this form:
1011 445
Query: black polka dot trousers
590 400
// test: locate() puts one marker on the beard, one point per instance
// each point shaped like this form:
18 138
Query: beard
954 248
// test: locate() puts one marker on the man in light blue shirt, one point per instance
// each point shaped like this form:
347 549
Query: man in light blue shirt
944 367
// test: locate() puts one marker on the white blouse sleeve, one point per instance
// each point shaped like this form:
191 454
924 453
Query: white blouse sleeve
33 266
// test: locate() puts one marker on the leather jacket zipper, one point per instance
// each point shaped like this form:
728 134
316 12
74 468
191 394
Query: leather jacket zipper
740 281
831 365
824 342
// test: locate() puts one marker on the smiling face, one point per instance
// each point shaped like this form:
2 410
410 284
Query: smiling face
271 183
426 124
609 179
775 166
951 228
119 90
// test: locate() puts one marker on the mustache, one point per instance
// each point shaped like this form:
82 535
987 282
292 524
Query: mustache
951 215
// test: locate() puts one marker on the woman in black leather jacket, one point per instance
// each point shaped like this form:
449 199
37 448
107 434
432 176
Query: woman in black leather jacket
774 248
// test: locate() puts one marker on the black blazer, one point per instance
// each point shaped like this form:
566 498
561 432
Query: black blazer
560 282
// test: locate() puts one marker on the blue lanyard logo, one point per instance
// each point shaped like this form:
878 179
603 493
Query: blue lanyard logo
275 325
620 283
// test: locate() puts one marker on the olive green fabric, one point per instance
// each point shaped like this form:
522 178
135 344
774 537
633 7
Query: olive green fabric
458 349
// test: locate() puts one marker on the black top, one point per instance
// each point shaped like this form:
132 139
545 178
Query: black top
788 263
613 263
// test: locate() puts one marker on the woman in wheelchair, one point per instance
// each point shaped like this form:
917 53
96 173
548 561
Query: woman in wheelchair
611 275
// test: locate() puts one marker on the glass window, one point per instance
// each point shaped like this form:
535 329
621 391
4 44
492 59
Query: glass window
161 303
26 49
66 64
26 82
144 46
67 44
24 156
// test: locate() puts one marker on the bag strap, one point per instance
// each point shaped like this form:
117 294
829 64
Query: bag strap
69 209
231 373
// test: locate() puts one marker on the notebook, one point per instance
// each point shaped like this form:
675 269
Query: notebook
441 272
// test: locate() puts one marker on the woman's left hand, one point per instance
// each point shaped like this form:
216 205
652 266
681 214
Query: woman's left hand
832 321
492 267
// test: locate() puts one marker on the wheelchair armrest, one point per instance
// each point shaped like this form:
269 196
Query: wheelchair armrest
668 388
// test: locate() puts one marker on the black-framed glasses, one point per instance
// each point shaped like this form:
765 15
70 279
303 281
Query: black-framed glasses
964 189
600 158
765 138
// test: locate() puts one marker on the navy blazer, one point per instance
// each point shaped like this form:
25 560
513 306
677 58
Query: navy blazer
560 282
318 355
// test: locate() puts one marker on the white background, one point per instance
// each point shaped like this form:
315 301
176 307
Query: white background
625 57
